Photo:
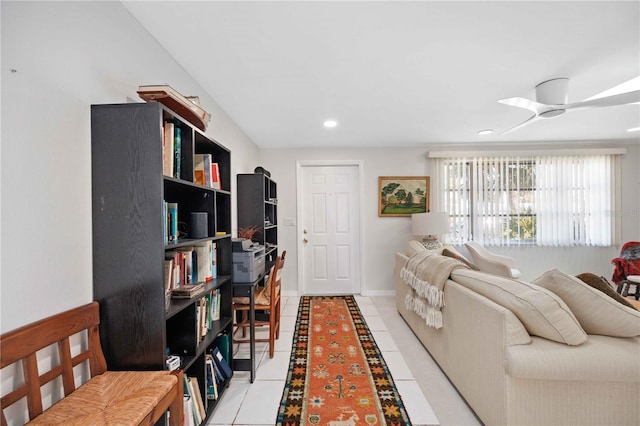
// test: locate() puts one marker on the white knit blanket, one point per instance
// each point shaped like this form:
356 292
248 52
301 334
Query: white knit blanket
426 273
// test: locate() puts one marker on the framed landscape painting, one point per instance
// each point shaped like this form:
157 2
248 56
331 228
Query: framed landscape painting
402 195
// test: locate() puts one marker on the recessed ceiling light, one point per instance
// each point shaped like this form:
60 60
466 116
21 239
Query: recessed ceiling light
634 129
485 132
330 123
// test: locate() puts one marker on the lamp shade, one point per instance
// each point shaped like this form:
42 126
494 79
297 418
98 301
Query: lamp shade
436 223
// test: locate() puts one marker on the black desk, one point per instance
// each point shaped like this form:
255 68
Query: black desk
244 290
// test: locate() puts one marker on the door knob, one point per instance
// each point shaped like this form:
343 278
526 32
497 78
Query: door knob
305 241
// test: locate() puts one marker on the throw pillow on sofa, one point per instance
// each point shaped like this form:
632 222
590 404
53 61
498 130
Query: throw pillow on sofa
454 254
541 312
596 312
601 284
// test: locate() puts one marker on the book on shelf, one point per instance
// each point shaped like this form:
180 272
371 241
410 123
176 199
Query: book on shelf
198 169
178 274
177 143
215 176
193 391
223 342
199 402
214 260
204 260
212 383
187 291
168 273
172 221
192 416
167 149
217 375
202 312
190 267
207 170
202 169
188 411
222 363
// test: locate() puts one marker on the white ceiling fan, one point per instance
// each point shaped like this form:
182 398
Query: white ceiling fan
552 97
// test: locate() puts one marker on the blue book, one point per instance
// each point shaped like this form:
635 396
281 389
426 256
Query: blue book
178 148
222 363
173 221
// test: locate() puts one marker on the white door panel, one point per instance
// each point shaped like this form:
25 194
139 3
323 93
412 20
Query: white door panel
330 223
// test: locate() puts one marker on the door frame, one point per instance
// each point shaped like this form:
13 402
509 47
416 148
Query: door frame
299 213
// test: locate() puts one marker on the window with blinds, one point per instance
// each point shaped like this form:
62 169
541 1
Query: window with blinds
558 200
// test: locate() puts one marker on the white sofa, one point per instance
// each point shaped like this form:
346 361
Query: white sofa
509 376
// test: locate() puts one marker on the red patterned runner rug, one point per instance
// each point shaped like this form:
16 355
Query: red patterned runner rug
337 375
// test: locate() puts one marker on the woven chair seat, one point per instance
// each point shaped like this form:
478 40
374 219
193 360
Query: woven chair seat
112 398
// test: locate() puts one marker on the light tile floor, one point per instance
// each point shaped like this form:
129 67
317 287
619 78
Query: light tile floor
419 380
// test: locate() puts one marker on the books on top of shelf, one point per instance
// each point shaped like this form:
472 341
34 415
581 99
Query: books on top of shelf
185 106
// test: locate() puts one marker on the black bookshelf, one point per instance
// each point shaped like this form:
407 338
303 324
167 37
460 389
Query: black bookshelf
139 325
258 208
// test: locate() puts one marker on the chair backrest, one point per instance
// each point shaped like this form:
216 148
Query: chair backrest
275 276
23 344
628 263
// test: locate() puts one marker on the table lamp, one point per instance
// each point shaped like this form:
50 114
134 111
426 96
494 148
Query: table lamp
428 226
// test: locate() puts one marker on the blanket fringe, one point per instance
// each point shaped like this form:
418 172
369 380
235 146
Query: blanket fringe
432 317
434 295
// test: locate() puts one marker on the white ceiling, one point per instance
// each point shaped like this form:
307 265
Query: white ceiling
401 73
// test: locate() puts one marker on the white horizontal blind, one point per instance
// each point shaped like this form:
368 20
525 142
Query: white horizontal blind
556 200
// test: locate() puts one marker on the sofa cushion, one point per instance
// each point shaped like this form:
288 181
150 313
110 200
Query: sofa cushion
601 359
596 312
601 284
543 313
414 247
450 252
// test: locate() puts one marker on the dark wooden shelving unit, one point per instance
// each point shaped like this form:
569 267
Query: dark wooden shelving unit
138 328
258 207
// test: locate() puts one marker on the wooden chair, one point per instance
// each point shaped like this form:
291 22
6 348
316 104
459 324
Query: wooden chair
267 308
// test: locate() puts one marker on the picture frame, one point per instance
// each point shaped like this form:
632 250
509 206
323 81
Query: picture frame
402 195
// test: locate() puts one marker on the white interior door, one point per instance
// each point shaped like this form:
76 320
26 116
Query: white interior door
330 230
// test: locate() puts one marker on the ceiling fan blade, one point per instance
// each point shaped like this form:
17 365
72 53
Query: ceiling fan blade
532 106
524 123
613 100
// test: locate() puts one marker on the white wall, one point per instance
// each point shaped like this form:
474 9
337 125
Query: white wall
67 56
384 236
381 236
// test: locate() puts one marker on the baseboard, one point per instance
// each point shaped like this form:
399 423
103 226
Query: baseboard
373 293
368 293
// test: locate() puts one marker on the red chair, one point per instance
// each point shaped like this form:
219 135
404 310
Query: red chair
627 268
